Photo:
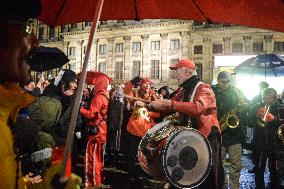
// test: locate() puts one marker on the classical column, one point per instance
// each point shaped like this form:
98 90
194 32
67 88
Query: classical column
185 44
164 57
80 45
145 65
95 50
268 47
247 44
127 51
110 58
207 67
227 45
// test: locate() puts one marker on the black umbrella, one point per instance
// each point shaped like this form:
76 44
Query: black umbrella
46 58
266 64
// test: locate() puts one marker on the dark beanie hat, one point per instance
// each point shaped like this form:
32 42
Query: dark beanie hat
68 76
19 9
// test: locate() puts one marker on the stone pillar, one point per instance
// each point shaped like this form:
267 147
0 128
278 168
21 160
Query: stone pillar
207 67
247 44
95 49
268 47
127 51
185 44
164 58
145 65
227 45
80 50
110 59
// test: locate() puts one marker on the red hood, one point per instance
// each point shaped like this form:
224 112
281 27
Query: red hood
99 80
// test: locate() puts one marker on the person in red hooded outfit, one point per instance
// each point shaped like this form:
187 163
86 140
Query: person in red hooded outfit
138 125
96 115
195 103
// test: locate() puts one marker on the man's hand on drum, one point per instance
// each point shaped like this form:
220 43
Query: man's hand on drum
161 105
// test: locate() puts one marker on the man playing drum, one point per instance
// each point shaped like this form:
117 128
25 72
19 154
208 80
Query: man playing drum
200 113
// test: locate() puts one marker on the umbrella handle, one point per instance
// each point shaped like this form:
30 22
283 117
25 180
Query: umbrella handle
78 97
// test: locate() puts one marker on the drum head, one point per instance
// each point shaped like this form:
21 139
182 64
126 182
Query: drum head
187 158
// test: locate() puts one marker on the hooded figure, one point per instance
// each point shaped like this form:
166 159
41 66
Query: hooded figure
96 115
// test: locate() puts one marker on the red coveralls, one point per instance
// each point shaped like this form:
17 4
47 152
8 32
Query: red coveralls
97 113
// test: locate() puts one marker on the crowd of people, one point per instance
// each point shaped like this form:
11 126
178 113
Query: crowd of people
35 117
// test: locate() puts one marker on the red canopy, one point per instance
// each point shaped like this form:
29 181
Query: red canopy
255 13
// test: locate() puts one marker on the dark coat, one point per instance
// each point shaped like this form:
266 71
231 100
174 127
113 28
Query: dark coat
226 101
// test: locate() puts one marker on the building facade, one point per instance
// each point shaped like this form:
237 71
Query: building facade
125 49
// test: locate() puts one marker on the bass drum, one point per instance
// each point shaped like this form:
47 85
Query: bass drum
180 155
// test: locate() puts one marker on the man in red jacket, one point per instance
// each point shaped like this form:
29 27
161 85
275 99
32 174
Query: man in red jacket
201 112
97 115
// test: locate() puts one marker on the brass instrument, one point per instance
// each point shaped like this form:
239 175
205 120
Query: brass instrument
280 132
230 119
141 112
261 122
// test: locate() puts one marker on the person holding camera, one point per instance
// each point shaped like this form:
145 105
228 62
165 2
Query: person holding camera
97 129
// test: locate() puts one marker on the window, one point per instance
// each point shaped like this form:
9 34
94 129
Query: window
136 68
84 49
102 67
237 48
197 23
40 33
119 47
73 26
136 46
119 70
88 24
172 72
155 45
103 49
199 71
257 47
62 28
72 51
72 67
217 48
278 46
198 49
51 33
174 44
155 71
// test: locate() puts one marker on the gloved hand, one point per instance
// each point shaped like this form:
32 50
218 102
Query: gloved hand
269 116
161 105
135 80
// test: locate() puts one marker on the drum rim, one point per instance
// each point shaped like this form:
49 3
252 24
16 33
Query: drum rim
164 158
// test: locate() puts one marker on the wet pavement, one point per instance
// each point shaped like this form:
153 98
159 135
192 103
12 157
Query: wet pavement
117 177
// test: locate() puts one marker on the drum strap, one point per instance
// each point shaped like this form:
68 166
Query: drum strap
187 93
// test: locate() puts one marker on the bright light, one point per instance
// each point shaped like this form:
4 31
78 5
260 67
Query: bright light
230 60
249 84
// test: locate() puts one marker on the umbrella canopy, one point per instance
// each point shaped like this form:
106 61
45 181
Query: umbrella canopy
46 58
262 65
253 13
